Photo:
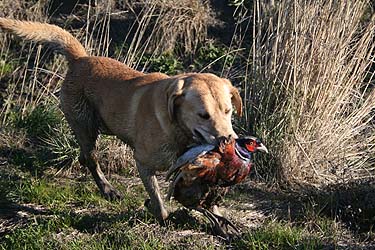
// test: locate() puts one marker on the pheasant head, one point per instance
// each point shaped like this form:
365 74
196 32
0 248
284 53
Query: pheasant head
248 145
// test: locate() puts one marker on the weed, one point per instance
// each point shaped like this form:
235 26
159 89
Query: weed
63 146
49 140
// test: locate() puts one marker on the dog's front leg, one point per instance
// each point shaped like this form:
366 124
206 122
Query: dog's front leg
156 204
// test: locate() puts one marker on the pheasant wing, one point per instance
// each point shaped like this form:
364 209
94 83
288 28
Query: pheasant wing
188 157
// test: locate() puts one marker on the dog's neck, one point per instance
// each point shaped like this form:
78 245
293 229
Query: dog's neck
181 139
171 149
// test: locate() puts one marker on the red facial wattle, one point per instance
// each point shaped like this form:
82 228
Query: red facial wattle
250 147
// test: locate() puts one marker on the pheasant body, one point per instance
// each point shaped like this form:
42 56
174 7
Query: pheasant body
202 174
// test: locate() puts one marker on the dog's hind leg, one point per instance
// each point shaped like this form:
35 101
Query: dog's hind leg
84 124
88 159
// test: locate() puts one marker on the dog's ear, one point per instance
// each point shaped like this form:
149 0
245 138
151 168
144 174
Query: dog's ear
174 91
236 100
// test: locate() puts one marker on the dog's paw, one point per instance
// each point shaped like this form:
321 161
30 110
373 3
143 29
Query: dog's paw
147 204
161 214
112 194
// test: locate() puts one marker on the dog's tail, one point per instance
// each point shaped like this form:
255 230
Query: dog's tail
48 34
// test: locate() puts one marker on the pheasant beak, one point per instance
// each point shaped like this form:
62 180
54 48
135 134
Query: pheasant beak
262 148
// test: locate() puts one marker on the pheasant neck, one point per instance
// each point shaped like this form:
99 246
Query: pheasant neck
242 153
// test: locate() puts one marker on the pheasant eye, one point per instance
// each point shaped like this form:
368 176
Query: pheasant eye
204 116
250 146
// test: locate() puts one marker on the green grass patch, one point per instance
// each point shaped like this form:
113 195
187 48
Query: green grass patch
43 235
38 122
7 67
73 206
278 235
50 193
31 237
120 237
49 141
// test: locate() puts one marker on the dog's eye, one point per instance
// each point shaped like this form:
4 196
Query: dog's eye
227 111
205 116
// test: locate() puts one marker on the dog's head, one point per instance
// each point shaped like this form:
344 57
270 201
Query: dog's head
202 104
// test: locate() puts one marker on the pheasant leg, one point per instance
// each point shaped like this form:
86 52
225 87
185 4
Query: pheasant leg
220 225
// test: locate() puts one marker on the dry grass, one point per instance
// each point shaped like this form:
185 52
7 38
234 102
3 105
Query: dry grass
32 10
178 23
116 157
182 23
310 90
161 26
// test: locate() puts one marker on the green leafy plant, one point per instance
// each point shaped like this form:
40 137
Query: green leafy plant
212 57
165 63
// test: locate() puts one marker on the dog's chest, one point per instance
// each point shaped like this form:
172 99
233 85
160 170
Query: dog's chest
165 156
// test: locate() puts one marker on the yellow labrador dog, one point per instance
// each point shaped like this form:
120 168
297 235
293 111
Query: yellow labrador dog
158 115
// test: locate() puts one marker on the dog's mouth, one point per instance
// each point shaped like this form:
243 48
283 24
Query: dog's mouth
197 136
201 136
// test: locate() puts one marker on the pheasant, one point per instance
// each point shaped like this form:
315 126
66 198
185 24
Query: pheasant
202 175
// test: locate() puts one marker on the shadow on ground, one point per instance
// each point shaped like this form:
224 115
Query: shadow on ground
88 220
352 203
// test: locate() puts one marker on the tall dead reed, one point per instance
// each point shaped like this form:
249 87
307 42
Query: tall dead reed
309 90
